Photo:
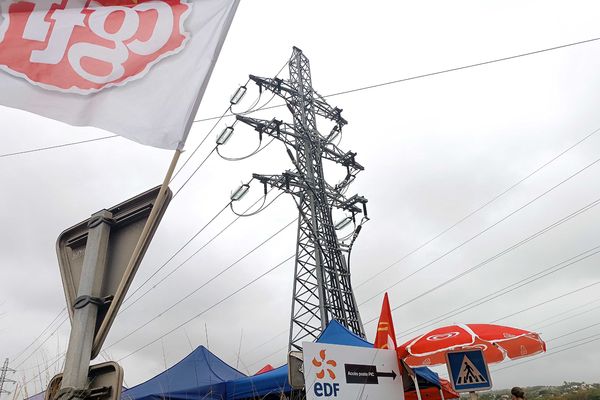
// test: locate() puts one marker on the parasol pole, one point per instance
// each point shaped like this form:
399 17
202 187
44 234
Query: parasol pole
416 381
413 376
441 393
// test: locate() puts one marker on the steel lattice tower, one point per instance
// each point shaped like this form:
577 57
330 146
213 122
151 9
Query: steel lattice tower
3 378
322 288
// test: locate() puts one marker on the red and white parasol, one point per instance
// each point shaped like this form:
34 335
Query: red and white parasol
497 342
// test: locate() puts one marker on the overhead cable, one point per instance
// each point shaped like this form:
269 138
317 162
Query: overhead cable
570 313
16 357
363 88
210 307
493 199
541 232
423 267
156 271
190 257
187 296
546 301
504 291
42 343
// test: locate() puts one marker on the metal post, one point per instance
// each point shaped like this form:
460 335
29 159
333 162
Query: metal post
77 362
473 396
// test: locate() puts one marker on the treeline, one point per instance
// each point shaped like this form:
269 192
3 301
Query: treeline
567 391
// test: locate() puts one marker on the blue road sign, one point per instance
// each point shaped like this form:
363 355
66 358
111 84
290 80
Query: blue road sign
468 370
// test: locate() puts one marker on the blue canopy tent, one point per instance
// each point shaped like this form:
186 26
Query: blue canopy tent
200 375
276 381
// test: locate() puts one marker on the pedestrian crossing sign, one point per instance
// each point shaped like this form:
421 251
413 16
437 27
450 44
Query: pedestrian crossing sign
468 370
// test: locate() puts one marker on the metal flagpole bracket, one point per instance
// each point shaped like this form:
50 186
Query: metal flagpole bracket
84 300
98 219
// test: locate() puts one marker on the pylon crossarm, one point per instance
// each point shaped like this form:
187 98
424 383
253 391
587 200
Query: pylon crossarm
287 91
274 128
293 183
278 86
287 134
323 109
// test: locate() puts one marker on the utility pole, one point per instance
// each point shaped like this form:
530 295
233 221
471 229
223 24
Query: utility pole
322 288
3 378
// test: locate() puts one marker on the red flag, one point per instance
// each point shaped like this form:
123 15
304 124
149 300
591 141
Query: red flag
386 336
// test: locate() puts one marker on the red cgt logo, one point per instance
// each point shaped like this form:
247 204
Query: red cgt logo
83 46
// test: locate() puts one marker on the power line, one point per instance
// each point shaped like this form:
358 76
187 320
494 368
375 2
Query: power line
503 291
569 311
546 301
483 231
479 64
268 356
363 88
203 285
56 146
572 332
264 343
210 308
192 255
498 255
426 75
194 236
194 173
44 370
496 197
37 366
43 342
40 335
199 145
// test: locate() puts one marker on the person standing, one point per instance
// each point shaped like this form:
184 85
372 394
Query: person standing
517 393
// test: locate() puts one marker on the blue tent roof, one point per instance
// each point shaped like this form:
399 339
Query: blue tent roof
39 396
427 377
200 375
276 381
336 333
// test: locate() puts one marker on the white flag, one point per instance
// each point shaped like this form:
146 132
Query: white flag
137 68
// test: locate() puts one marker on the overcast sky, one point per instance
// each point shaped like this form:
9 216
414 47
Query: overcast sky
434 150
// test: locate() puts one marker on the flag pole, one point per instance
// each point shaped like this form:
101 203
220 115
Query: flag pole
129 271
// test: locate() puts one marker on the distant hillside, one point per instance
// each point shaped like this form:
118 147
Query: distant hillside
567 391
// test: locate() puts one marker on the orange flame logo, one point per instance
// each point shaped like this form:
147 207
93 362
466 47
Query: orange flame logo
328 363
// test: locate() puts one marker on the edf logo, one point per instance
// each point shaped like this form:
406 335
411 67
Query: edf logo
325 389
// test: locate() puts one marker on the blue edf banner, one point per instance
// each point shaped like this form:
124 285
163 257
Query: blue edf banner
468 370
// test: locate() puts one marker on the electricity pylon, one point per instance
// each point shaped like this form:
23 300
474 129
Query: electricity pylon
3 378
322 288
